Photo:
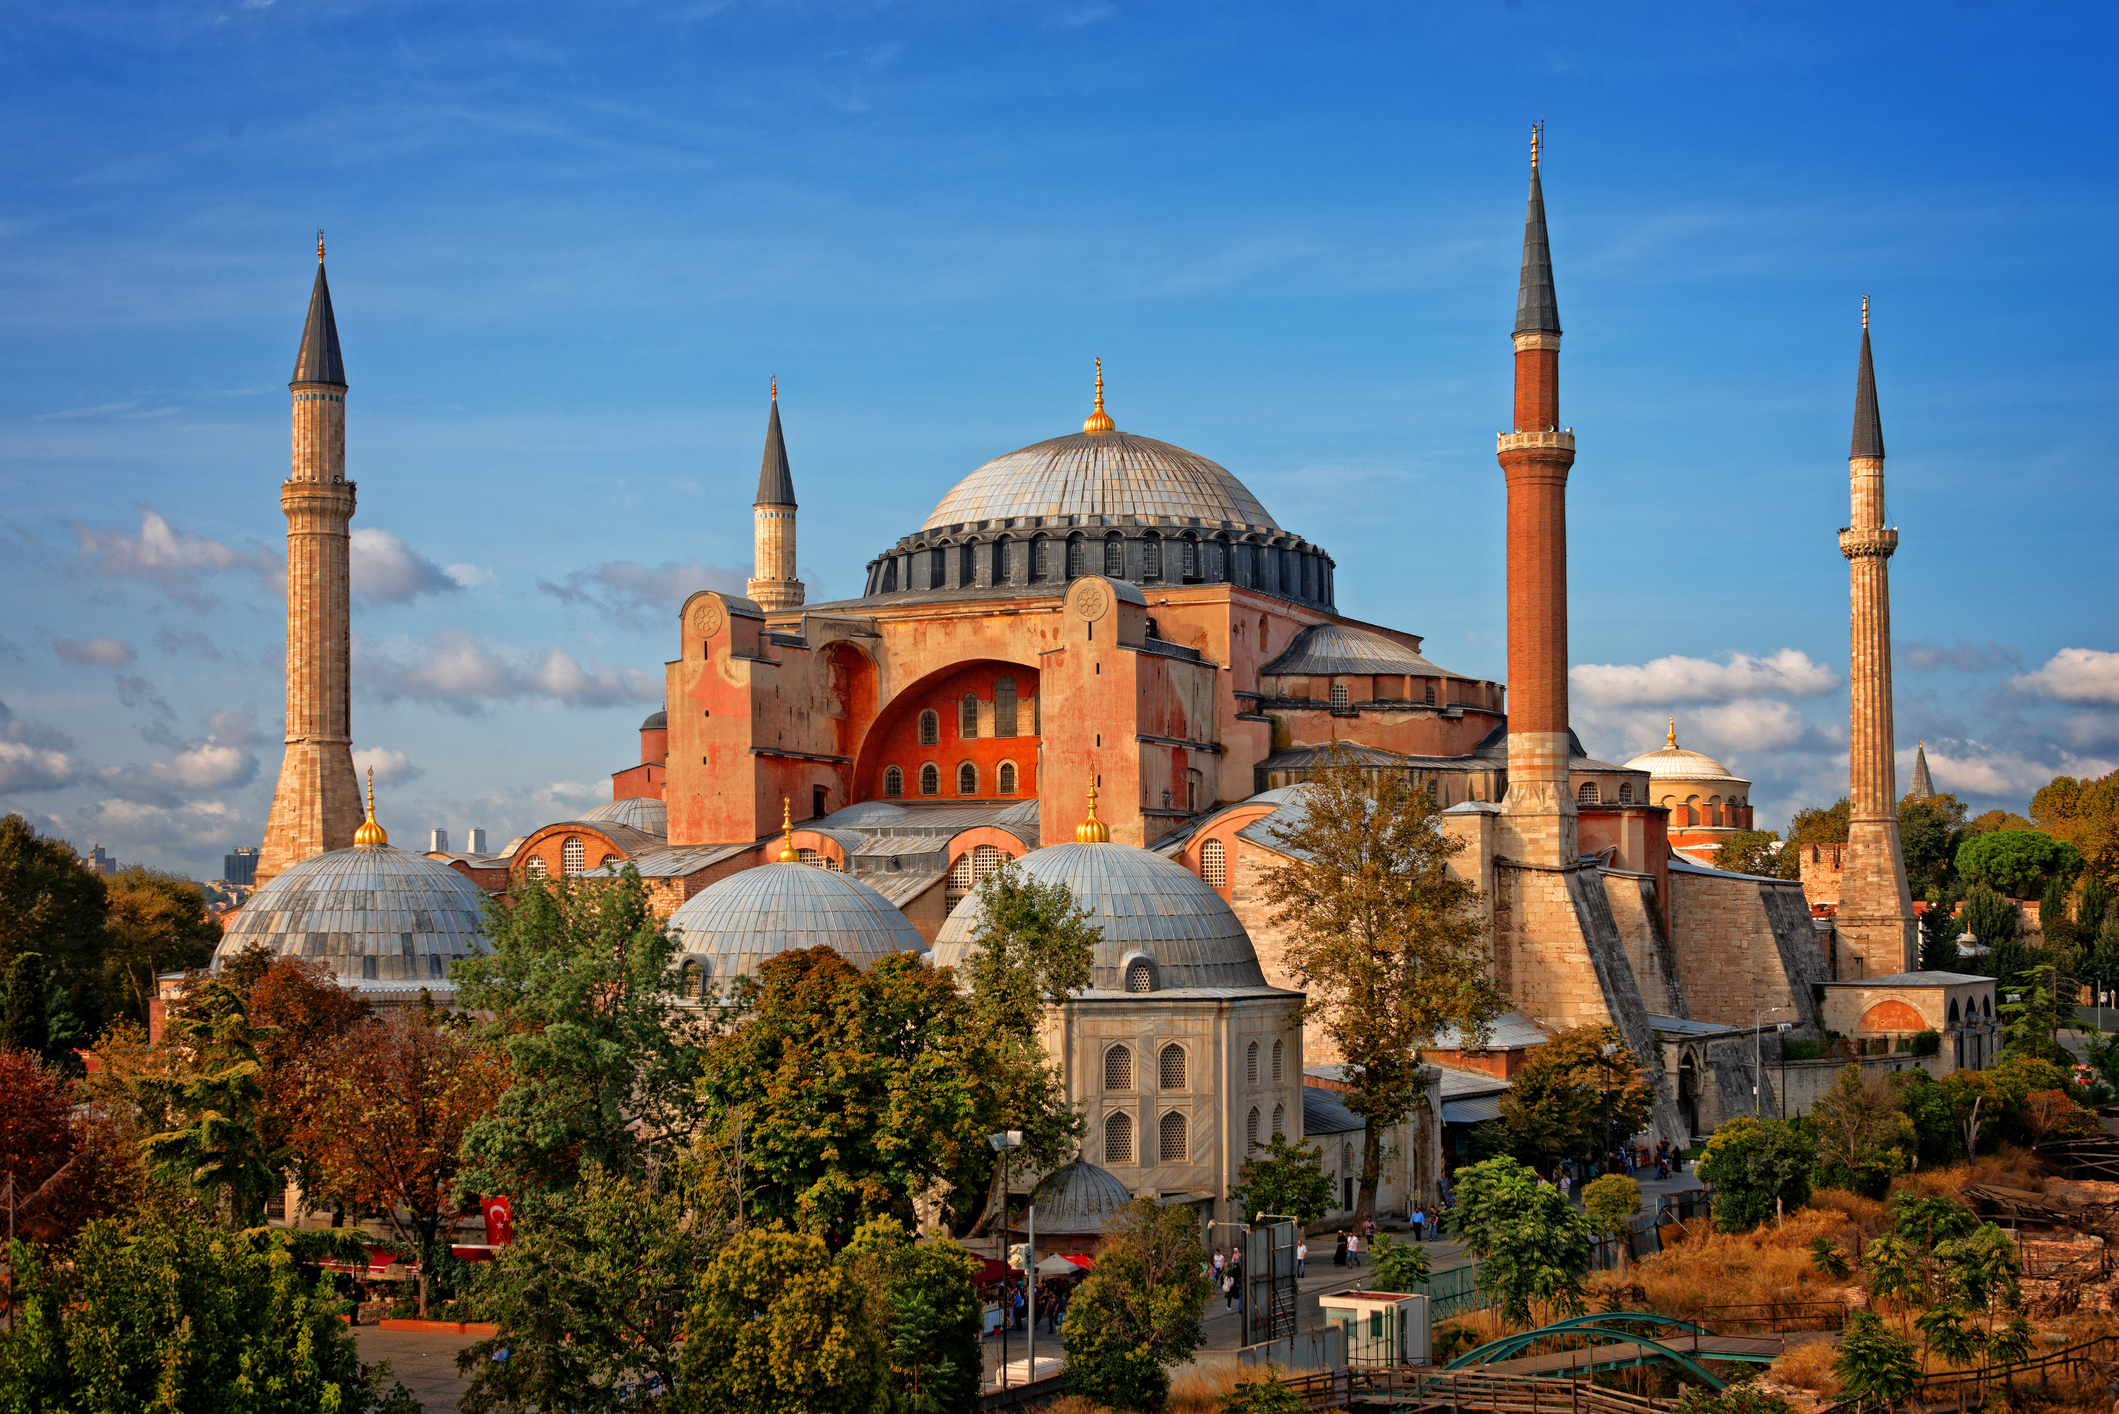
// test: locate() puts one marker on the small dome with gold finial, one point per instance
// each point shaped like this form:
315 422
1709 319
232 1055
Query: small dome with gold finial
1674 763
370 834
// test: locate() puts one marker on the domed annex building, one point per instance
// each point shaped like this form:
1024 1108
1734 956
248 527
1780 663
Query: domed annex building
1707 801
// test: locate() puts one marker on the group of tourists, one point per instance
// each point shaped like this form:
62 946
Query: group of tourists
1628 1159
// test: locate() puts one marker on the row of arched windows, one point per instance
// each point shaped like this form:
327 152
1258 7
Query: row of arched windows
967 779
1589 795
1005 715
1301 573
1173 1139
1171 1068
1251 1124
1251 1063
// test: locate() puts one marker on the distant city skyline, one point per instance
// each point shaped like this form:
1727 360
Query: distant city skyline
569 248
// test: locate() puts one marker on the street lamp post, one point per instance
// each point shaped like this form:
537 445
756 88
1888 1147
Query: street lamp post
1005 1144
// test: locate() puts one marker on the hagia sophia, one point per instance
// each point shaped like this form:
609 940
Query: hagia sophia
1102 655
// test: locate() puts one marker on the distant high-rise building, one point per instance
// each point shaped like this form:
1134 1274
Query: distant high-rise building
100 862
438 841
478 841
241 867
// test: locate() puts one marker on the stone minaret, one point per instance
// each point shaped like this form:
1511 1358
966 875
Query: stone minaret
1875 920
1538 815
317 805
1923 784
774 585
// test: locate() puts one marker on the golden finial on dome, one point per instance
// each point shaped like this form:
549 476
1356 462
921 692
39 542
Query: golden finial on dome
370 834
787 833
1670 741
1092 830
776 387
320 245
1099 420
1864 311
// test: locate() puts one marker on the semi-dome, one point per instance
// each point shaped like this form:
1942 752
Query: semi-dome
1150 910
1079 1199
1103 474
1674 763
730 928
370 913
640 812
1340 650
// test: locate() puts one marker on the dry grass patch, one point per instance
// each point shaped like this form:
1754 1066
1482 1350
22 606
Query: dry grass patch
1806 1366
1709 1269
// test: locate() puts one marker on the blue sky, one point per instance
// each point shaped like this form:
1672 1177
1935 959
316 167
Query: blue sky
569 245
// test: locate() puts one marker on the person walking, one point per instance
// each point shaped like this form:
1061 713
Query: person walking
1232 1282
1353 1249
1302 1257
1419 1224
1339 1252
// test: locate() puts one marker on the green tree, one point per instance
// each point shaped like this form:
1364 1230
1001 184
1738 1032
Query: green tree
1754 1162
1991 919
590 1298
1939 930
1995 820
1873 1365
1611 1202
857 1090
1032 945
931 1315
213 1096
1929 830
1758 852
2053 919
1138 1312
1736 1399
1864 1139
1530 1243
1397 1265
1285 1177
164 1310
775 1327
1582 1092
1821 824
2017 864
50 903
1387 941
2093 906
2085 814
582 1000
1931 1109
1264 1393
158 923
2031 1013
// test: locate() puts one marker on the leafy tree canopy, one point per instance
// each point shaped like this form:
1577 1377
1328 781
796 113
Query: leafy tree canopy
2085 814
1864 1139
1758 852
211 1095
1611 1201
1990 821
50 902
775 1327
1531 1244
69 1169
931 1315
1031 949
1138 1312
1821 824
1582 1092
1751 1163
1284 1177
2016 863
1930 827
158 923
1990 917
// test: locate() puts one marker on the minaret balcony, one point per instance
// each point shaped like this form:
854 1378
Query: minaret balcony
1868 544
1523 441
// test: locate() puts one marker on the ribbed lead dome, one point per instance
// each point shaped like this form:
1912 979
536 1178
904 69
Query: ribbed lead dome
733 926
372 914
1144 904
641 812
1106 474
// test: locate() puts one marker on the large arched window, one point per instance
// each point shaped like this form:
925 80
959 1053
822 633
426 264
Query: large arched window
1151 558
1280 1121
1170 1068
930 779
1000 560
1040 559
1115 558
1279 1048
536 868
937 568
1250 1127
893 782
930 727
1004 707
1118 1068
967 717
1625 792
573 855
1587 795
1189 563
1250 1064
969 871
1006 777
1077 557
1175 1141
1118 1139
969 565
1214 864
967 779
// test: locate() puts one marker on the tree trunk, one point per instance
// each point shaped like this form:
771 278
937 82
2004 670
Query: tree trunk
1371 1172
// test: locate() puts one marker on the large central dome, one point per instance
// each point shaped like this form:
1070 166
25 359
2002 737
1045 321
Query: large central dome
1102 474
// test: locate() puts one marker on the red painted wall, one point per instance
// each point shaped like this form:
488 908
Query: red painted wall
895 739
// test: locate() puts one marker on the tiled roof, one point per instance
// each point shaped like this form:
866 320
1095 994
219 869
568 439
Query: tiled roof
1107 474
1327 650
776 484
318 361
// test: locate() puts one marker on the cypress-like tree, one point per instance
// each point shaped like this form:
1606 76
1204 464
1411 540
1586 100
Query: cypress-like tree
2053 920
1938 936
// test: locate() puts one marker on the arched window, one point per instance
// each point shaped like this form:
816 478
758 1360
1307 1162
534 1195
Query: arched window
1429 696
689 980
1692 810
1151 558
890 576
893 782
1587 795
970 565
1040 559
1170 1067
1250 1128
1175 1146
1077 557
1118 1139
1339 697
967 779
1625 792
1250 1065
536 867
967 717
1280 1121
1004 707
1115 557
1007 778
1953 1011
573 855
1214 864
930 779
937 567
969 871
1140 975
1278 1048
930 728
1118 1068
1190 565
607 862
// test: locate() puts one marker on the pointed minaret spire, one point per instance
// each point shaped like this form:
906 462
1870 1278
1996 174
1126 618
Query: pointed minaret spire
774 585
1537 307
1923 784
318 359
1868 426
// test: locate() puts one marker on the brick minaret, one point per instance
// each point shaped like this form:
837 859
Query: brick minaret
317 805
1538 816
1875 919
774 585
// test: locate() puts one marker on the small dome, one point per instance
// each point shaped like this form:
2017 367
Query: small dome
641 812
372 913
733 926
1333 650
657 722
1144 904
1079 1199
1674 763
1106 474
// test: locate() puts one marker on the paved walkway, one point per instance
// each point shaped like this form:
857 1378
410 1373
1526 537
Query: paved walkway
424 1361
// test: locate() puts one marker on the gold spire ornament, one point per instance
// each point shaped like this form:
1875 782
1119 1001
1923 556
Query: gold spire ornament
320 245
787 833
1864 312
1099 420
776 387
1670 741
370 835
1092 830
1537 136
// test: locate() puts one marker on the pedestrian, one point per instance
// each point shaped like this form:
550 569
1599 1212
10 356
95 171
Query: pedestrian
1564 1185
1232 1282
1353 1249
1339 1252
1217 1265
1419 1223
1302 1257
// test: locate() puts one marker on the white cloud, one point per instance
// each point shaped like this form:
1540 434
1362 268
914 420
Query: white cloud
1752 725
1963 656
103 652
171 559
1972 768
388 765
469 576
33 756
1675 680
454 670
388 571
629 590
2075 675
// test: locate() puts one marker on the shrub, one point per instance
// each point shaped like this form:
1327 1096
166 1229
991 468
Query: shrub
1927 1043
1751 1163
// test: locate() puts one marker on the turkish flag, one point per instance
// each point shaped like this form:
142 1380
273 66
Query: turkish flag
500 1222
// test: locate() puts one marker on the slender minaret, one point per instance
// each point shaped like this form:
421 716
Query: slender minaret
1538 815
317 805
774 586
1875 918
1923 784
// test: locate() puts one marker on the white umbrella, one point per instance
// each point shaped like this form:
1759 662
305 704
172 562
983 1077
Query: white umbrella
1056 1266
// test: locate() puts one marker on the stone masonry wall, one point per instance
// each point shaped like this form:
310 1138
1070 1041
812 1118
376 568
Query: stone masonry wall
1635 910
1744 945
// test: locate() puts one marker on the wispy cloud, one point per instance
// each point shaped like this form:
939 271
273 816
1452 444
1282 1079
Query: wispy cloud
33 756
1676 680
459 673
388 571
388 765
173 560
1962 656
629 591
98 652
2075 675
